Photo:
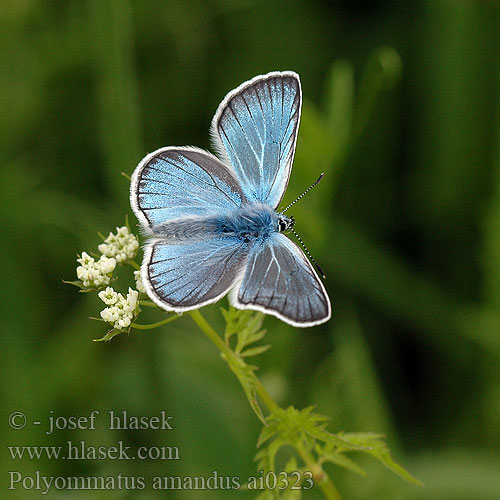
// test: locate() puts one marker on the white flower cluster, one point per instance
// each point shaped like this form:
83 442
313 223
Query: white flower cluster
122 246
121 310
95 274
138 282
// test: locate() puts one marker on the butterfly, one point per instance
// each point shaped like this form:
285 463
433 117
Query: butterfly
212 222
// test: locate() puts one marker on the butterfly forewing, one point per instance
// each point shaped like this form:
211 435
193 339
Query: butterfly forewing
176 182
256 128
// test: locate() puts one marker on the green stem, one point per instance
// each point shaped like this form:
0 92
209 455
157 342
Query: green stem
134 264
150 326
210 332
324 482
319 475
222 346
329 489
264 395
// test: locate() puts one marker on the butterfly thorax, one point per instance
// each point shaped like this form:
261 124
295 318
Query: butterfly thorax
249 222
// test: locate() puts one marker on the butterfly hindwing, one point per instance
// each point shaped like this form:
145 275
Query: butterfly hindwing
256 127
174 182
183 276
279 280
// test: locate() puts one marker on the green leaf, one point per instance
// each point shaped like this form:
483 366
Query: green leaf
302 427
246 376
305 431
81 286
376 447
251 334
245 325
85 289
112 333
254 351
266 458
77 283
338 458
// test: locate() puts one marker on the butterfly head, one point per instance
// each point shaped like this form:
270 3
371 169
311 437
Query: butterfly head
285 223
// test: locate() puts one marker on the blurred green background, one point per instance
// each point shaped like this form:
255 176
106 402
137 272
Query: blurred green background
401 112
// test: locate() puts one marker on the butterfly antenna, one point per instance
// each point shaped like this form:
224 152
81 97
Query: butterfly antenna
313 260
304 193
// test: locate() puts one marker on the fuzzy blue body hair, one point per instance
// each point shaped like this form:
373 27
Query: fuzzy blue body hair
246 223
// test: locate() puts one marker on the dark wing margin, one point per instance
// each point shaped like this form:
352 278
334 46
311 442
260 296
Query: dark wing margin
255 128
178 182
183 276
279 280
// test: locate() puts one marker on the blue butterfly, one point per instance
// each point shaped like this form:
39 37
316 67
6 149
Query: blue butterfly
213 224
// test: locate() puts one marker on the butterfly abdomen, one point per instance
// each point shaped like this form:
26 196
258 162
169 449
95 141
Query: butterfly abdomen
247 223
188 229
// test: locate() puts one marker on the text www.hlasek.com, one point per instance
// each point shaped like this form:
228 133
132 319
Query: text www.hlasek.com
81 451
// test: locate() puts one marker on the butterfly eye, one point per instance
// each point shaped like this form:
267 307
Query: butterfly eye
285 223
